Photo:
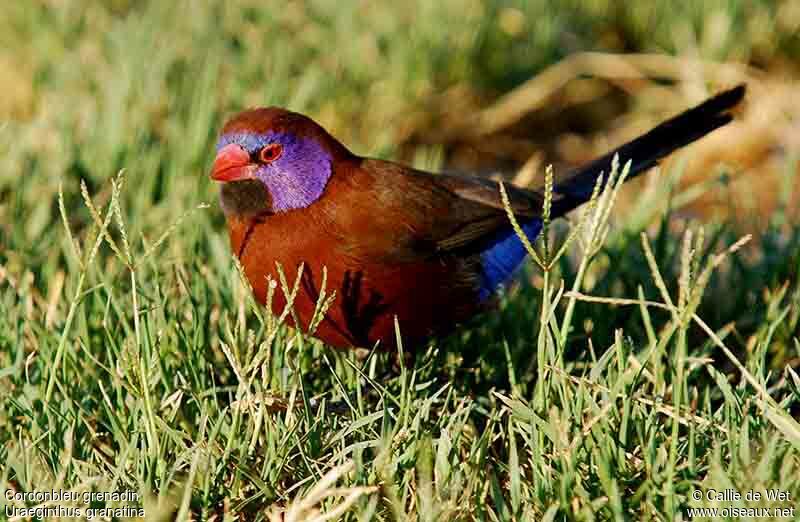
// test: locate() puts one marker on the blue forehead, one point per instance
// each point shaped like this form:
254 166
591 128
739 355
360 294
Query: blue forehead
253 141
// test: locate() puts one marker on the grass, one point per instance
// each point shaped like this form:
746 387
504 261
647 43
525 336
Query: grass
649 357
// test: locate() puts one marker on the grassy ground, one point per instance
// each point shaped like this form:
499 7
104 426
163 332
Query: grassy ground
645 363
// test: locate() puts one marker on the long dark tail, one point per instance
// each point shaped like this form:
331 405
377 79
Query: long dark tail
645 151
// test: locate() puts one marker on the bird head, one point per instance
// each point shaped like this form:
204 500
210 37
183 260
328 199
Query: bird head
273 160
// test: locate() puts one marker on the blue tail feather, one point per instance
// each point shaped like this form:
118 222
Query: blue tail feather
503 256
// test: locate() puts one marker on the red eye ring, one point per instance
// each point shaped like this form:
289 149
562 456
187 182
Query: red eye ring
270 152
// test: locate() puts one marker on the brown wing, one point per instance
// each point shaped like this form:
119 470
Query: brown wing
391 210
480 209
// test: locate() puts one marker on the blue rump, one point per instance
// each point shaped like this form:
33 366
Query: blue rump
503 256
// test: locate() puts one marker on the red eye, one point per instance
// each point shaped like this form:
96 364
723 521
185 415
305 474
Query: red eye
270 153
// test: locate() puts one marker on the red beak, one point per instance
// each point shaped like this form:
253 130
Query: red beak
232 164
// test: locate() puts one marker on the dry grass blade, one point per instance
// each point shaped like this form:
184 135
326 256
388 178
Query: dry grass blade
323 303
517 228
101 226
150 249
304 508
116 187
788 426
659 406
785 424
76 248
656 273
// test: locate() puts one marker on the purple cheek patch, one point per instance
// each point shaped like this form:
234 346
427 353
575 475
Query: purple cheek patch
298 177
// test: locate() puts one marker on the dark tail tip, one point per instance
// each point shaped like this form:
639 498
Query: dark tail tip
645 151
726 99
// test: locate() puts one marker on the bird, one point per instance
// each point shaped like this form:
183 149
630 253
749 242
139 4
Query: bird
398 245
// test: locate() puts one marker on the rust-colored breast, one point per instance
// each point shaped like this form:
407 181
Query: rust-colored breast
427 295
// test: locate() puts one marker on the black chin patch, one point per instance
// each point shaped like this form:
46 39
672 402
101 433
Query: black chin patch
245 198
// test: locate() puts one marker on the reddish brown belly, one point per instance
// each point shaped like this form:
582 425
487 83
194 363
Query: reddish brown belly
367 301
428 297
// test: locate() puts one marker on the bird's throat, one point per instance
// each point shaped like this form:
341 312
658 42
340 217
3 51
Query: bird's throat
246 204
245 199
